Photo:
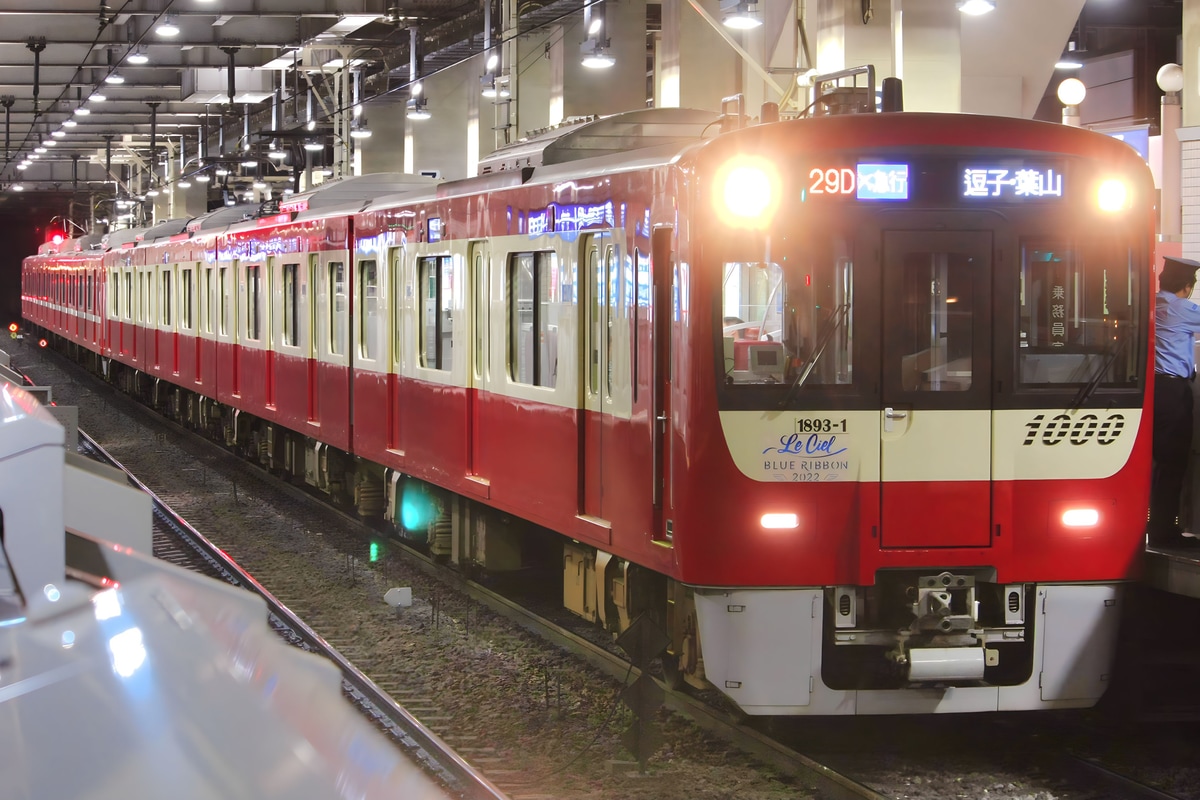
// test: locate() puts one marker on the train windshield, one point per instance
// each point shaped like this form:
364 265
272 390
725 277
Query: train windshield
940 310
790 318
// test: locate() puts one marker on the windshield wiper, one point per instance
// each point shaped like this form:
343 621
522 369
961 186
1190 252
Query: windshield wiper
831 327
1088 389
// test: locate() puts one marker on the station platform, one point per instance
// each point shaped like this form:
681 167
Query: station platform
1174 571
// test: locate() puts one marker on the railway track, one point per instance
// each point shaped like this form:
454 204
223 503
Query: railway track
819 777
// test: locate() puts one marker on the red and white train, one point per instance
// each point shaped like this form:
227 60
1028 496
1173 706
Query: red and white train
855 407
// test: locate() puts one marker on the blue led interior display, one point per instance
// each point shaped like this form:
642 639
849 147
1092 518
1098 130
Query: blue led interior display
435 229
882 182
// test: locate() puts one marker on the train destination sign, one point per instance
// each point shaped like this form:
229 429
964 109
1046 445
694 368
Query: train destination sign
866 181
1011 183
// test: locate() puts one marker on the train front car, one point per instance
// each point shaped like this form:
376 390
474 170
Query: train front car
925 340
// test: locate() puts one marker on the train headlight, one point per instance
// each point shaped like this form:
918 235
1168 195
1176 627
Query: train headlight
1112 195
748 192
780 521
1080 517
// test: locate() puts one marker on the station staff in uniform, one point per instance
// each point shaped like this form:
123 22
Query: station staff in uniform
1177 321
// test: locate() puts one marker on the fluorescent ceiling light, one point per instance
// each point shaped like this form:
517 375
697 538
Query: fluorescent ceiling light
975 8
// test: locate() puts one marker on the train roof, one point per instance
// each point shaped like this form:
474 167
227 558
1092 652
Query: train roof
222 217
83 244
619 133
354 192
165 229
118 239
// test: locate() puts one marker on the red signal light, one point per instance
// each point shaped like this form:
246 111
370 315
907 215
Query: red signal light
57 238
12 327
41 342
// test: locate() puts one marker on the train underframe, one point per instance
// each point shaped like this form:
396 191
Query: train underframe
932 630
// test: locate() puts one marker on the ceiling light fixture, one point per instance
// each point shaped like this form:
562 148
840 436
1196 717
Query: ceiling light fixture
594 50
168 27
185 184
16 187
976 8
596 55
113 78
741 15
97 97
1070 59
312 145
417 109
59 134
69 123
203 178
83 111
359 130
138 57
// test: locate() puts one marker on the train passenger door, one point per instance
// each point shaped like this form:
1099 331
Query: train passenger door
936 424
479 272
596 283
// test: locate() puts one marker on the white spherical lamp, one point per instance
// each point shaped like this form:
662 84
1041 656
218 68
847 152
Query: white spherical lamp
1071 92
1170 77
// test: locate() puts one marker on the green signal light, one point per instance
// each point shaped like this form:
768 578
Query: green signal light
374 551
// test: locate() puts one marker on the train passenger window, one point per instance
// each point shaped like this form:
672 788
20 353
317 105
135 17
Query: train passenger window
533 318
129 294
612 279
291 296
165 279
595 307
935 320
481 310
1078 314
114 285
147 299
90 291
223 296
186 300
337 308
253 302
397 305
368 309
790 324
210 306
435 276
